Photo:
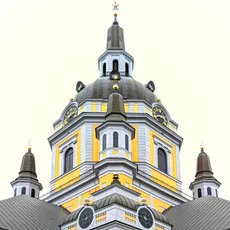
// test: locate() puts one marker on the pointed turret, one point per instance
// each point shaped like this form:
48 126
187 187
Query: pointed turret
205 183
115 36
115 59
27 183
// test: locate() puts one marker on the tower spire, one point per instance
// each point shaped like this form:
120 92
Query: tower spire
205 183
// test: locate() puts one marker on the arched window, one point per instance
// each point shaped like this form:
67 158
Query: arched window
115 139
126 69
68 160
162 160
199 193
209 191
104 142
115 65
23 190
216 193
15 192
126 142
104 69
32 192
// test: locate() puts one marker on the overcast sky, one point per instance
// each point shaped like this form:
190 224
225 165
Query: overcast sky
46 46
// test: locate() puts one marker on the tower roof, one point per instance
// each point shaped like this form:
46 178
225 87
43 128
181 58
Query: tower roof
115 37
28 168
203 167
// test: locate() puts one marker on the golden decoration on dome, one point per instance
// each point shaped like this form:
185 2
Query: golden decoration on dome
115 87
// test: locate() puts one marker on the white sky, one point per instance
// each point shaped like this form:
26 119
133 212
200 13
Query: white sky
46 46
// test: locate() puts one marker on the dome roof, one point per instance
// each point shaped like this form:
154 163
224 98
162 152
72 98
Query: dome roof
128 88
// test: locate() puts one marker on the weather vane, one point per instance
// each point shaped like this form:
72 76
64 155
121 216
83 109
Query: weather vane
115 7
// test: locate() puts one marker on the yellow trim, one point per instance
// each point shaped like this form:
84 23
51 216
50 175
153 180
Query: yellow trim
160 205
71 205
115 152
94 107
103 155
126 107
81 109
126 155
151 139
135 145
96 145
104 107
148 110
135 108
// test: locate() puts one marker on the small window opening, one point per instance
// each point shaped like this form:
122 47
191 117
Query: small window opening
126 69
23 190
15 192
33 192
216 193
209 191
162 160
199 193
104 69
115 65
126 142
68 160
115 139
104 142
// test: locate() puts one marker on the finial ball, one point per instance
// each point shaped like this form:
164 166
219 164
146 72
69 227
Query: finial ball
115 87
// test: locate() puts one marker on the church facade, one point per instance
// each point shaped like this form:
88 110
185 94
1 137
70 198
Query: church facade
115 162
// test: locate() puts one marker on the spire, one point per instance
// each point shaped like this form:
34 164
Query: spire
205 183
27 183
115 37
203 166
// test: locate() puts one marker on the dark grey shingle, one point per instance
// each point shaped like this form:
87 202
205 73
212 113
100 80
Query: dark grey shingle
24 212
206 213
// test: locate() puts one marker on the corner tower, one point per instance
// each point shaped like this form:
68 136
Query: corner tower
205 183
27 183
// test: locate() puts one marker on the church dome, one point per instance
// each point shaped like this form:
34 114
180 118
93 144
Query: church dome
128 88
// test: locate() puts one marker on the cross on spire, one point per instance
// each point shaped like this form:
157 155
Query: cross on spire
115 8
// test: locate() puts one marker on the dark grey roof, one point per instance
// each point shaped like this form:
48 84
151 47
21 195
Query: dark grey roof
206 213
28 167
115 37
128 88
72 216
203 167
26 213
118 199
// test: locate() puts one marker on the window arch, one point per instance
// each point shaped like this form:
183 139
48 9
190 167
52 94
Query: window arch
209 191
126 142
162 160
15 192
115 65
126 69
68 161
32 192
104 69
23 190
115 139
104 142
199 193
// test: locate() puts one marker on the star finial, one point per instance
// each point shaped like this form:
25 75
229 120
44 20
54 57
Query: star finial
115 6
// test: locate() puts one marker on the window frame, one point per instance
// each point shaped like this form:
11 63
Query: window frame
161 167
70 149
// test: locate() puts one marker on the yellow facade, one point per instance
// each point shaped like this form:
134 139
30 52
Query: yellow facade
75 174
135 145
71 205
160 205
96 145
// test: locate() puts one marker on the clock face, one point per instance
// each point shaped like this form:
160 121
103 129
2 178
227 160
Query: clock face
70 115
160 116
86 218
145 218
